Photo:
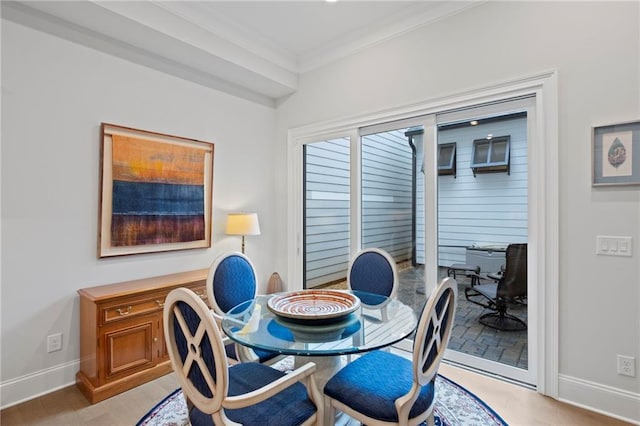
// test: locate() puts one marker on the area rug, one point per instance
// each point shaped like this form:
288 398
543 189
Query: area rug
455 406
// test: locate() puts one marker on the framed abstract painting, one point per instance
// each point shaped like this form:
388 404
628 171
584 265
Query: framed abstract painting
616 154
156 192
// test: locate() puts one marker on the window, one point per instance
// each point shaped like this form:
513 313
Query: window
490 155
447 159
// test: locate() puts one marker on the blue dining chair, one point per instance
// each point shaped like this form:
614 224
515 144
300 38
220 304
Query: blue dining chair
246 393
373 271
382 388
232 280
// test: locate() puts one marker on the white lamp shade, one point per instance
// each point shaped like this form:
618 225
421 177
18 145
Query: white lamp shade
243 224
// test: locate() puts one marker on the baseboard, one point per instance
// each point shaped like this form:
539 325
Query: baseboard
40 383
607 400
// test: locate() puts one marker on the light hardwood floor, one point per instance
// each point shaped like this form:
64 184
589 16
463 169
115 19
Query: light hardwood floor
517 405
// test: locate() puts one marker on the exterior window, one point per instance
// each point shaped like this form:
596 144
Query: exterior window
490 155
447 159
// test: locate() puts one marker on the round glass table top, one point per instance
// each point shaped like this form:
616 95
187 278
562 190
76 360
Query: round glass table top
378 322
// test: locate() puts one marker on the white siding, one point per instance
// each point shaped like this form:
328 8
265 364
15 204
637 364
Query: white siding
490 208
326 211
386 202
387 193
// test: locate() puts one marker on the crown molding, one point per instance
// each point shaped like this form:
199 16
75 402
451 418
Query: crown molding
188 40
395 25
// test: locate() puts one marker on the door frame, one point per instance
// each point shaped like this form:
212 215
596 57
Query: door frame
543 188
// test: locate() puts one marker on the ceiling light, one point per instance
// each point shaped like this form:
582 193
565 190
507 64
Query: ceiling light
489 136
474 122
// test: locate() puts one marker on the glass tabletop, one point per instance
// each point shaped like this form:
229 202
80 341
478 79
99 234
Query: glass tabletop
378 322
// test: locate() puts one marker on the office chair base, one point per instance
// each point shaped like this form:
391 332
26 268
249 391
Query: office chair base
502 321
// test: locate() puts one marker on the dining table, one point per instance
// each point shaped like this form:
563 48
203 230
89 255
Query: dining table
370 322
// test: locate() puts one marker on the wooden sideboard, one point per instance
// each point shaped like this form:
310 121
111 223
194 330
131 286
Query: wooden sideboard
121 332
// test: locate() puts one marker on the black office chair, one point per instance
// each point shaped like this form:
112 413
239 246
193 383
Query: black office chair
511 287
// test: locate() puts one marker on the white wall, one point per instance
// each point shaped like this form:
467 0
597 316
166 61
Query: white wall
595 47
55 94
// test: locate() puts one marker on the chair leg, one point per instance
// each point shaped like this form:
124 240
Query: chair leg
501 320
329 413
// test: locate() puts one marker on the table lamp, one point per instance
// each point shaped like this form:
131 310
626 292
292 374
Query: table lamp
243 224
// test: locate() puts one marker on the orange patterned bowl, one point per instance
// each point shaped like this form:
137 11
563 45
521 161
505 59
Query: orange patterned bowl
314 305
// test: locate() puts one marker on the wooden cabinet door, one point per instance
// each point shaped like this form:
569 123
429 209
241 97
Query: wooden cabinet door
129 347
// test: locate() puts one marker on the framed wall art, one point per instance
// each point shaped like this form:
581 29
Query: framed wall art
156 192
616 154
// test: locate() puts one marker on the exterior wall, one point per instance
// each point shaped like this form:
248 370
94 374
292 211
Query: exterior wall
386 193
386 203
327 195
488 209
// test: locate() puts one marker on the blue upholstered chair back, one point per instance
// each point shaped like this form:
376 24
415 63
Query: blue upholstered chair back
231 281
434 330
373 270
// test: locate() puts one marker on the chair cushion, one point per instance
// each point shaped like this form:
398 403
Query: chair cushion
489 290
285 333
289 407
372 383
261 354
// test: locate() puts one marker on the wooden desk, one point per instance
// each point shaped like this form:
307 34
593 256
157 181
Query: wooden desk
121 334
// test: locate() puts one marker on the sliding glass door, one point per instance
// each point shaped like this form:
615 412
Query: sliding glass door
483 208
435 191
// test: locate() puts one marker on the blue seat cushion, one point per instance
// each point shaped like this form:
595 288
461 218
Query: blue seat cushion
292 406
261 354
372 383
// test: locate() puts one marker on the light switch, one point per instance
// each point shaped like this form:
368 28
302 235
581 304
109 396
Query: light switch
624 246
613 246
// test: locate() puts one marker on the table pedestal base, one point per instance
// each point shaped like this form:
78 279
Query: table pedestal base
326 367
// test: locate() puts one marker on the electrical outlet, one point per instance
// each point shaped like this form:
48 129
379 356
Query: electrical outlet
626 365
54 342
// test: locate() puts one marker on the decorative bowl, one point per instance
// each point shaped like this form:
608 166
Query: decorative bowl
313 305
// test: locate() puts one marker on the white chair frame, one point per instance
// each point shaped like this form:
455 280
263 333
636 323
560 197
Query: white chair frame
220 400
421 349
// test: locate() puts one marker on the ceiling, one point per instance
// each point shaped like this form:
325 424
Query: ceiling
252 49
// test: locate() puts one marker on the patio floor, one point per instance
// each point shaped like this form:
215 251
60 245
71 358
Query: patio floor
468 335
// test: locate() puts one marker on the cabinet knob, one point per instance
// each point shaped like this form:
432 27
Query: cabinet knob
122 312
160 303
155 339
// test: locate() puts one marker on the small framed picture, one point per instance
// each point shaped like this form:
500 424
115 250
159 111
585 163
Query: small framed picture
616 154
